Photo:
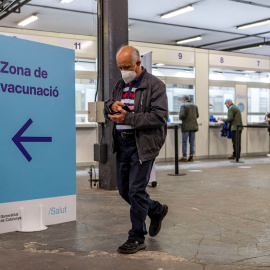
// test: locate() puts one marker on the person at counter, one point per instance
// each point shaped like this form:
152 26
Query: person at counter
188 114
211 117
267 118
235 118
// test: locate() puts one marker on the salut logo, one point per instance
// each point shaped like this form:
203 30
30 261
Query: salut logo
57 211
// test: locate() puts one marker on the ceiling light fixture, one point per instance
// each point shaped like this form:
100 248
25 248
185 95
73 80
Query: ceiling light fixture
28 20
189 40
177 12
65 1
248 48
244 26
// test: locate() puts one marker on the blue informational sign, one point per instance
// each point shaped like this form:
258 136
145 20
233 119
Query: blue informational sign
241 106
37 121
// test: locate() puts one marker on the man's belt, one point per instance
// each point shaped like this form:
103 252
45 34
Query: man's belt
126 134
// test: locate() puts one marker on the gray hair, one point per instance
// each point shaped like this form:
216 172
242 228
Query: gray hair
135 54
186 98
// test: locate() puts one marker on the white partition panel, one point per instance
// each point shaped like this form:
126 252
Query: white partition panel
201 97
257 140
219 146
85 140
241 102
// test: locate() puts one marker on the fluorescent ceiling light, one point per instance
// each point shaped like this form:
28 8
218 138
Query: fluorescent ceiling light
65 1
244 26
248 48
177 12
28 20
189 40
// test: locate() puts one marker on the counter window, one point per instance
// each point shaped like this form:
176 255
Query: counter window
173 71
175 93
85 65
85 92
217 97
217 74
258 104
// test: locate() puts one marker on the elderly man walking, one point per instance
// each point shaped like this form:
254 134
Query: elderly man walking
139 109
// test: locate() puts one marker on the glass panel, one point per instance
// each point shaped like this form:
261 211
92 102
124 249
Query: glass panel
85 64
217 74
85 89
217 97
175 93
173 71
85 92
258 104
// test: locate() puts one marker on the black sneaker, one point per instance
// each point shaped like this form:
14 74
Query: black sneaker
152 184
131 246
232 157
155 224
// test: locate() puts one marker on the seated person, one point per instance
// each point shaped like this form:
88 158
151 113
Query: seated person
211 117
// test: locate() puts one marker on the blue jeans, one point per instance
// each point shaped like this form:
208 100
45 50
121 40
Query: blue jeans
185 136
132 180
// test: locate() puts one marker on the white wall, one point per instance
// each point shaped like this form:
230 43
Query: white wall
201 98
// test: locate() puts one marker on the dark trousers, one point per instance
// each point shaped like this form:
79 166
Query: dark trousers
233 133
132 180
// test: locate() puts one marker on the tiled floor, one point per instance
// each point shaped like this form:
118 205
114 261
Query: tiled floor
219 218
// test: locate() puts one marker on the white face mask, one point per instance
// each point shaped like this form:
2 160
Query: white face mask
128 76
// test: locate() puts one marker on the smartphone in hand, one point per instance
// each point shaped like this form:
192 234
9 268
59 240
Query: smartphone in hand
126 108
113 113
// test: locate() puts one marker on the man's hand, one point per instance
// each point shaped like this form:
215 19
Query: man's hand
220 119
118 118
116 105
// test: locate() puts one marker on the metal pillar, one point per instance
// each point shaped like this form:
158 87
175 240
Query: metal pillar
176 156
237 137
112 34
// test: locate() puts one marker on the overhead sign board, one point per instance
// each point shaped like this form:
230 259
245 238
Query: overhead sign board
237 61
79 45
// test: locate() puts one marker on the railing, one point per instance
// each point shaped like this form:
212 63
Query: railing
176 156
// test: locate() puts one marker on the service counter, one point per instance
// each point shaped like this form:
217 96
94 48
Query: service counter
86 137
255 140
218 146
